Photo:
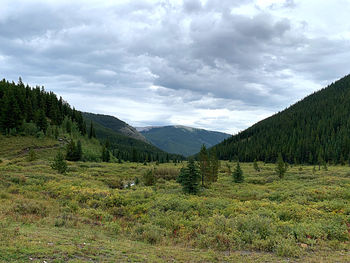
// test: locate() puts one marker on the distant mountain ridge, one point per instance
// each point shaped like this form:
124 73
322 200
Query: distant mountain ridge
115 124
181 139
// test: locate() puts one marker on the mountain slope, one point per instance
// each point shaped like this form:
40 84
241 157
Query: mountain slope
181 139
127 148
114 124
315 129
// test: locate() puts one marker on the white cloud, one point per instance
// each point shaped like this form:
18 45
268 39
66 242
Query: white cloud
216 64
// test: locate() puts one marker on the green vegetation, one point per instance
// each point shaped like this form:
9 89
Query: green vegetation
189 178
238 174
209 166
95 212
123 147
182 140
29 111
281 167
312 130
59 163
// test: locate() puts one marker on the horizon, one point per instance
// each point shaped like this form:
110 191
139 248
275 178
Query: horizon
214 65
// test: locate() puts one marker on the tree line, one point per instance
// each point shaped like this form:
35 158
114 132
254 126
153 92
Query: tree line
313 131
24 109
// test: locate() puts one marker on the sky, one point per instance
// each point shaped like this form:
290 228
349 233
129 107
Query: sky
216 64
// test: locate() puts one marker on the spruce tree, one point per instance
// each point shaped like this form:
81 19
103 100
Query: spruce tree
256 166
238 174
214 165
204 164
281 167
59 163
189 178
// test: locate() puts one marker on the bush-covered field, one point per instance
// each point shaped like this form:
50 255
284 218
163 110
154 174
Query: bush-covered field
96 212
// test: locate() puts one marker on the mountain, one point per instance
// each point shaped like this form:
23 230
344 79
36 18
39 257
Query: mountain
114 124
314 129
181 139
30 111
127 148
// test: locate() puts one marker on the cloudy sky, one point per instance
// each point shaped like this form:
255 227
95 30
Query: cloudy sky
215 64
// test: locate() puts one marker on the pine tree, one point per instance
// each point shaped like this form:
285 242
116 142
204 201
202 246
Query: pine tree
189 178
280 166
214 166
204 164
71 151
256 166
238 174
105 155
92 133
59 163
319 161
41 120
79 151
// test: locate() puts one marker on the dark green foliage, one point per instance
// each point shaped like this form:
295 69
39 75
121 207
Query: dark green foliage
59 163
238 174
256 166
41 121
105 156
92 132
74 151
281 167
189 178
22 104
208 166
204 164
149 178
126 148
214 165
319 125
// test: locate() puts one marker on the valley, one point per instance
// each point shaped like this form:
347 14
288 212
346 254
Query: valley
88 215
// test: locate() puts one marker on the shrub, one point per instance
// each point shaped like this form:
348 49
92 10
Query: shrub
166 173
29 207
31 156
149 178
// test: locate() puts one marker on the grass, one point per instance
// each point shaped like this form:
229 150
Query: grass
89 215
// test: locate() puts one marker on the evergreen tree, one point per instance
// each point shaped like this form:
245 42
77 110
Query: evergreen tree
79 151
204 165
319 161
92 133
238 174
105 154
280 166
59 163
214 165
189 178
256 166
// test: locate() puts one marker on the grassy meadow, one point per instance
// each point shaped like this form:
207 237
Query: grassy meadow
94 213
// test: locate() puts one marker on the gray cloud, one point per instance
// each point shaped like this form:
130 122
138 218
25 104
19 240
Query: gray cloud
221 65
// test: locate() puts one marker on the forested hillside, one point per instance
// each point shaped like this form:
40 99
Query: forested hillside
127 148
181 139
114 124
313 130
27 110
30 111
